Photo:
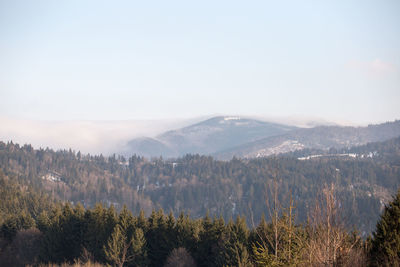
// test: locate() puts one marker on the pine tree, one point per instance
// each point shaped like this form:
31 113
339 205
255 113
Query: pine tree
212 242
116 248
124 247
139 253
141 221
14 223
158 243
51 247
385 249
99 224
236 253
187 232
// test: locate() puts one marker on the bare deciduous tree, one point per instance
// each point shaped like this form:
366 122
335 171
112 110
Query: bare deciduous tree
280 242
23 250
329 244
180 257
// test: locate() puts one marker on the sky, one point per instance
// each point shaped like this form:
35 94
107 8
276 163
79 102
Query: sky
141 60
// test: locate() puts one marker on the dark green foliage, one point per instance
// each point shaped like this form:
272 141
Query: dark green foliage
127 242
159 239
198 183
19 202
291 240
122 239
236 247
212 242
124 247
15 223
194 183
99 224
385 249
187 232
63 234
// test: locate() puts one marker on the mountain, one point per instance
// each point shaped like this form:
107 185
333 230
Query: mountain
322 137
206 137
149 147
388 151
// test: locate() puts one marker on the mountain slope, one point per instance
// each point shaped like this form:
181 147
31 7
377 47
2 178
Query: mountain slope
207 137
322 137
199 184
148 147
388 151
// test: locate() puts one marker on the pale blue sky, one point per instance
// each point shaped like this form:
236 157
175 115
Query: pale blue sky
113 60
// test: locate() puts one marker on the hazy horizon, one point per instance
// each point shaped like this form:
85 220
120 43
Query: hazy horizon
92 75
110 136
74 60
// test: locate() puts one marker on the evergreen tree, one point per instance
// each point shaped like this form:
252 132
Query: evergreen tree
139 252
126 243
117 248
236 253
15 223
212 242
158 243
141 221
187 232
51 247
97 232
385 249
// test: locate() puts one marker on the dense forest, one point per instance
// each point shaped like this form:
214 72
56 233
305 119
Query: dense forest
292 210
199 184
35 230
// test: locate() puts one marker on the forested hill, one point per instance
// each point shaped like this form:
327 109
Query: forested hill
198 184
388 151
322 137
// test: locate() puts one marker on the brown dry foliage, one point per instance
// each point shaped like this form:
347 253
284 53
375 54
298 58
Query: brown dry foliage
23 249
329 243
76 264
180 257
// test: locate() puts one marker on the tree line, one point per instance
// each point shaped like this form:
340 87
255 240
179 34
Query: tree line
64 233
200 184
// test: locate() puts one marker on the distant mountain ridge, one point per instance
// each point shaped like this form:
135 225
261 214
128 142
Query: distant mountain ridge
206 137
384 150
321 137
225 137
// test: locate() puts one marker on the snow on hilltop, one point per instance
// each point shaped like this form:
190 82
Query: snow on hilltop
231 118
